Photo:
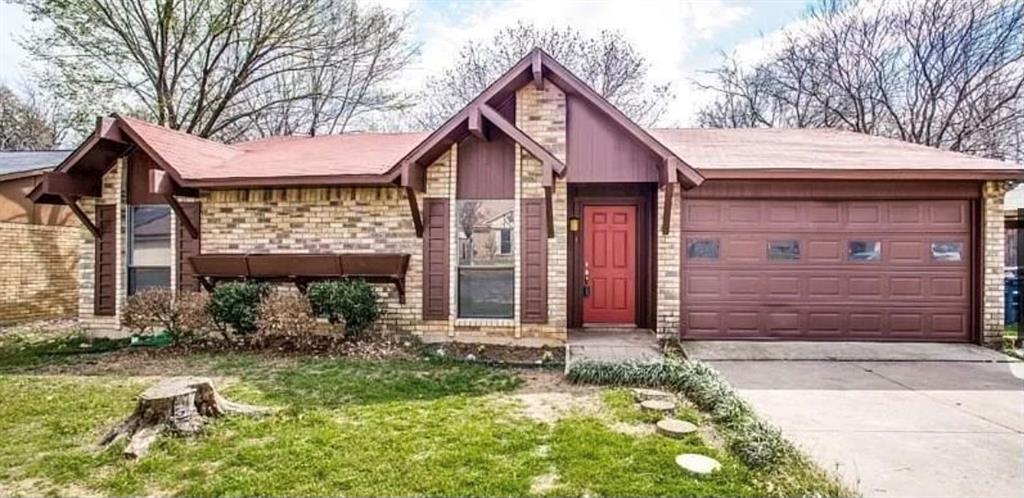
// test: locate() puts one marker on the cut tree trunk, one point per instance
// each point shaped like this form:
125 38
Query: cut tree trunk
179 405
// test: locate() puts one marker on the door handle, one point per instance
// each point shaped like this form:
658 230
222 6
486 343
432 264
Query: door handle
586 279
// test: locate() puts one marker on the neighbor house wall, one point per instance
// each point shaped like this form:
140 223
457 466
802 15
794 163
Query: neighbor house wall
38 274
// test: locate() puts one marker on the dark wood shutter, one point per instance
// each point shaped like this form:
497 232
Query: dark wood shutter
105 298
188 247
534 247
435 259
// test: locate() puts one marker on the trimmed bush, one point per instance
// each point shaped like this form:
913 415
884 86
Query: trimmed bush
755 442
352 302
183 317
235 305
285 314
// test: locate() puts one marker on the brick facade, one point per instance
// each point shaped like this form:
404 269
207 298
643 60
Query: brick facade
993 275
38 275
112 193
667 310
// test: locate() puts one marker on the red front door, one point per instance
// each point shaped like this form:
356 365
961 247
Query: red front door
609 264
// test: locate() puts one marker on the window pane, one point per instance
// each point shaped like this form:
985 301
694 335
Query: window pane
947 251
486 257
151 236
482 227
783 250
148 277
865 250
702 248
485 292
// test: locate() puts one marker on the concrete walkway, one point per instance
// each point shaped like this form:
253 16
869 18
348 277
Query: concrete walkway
898 428
612 345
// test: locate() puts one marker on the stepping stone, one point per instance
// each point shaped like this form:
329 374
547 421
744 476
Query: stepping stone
658 405
675 428
697 464
641 394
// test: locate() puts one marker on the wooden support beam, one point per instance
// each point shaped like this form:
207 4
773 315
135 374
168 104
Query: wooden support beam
475 123
77 210
534 148
414 208
161 183
666 216
549 212
413 176
537 68
74 186
107 129
183 217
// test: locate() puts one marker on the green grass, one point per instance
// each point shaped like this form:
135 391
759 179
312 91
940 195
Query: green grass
346 427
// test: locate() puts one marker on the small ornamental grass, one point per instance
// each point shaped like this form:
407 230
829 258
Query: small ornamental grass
755 442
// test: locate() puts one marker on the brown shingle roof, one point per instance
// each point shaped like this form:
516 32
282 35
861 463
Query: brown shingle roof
733 152
811 149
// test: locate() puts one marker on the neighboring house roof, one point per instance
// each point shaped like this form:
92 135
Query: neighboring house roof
792 153
27 163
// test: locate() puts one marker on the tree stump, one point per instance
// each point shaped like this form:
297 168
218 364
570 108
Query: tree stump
180 405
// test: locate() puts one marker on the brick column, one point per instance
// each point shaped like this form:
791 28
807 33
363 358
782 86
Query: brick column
993 275
669 259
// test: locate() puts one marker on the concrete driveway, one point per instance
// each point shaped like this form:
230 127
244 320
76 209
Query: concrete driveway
893 426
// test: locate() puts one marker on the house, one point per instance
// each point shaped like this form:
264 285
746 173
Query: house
709 234
38 243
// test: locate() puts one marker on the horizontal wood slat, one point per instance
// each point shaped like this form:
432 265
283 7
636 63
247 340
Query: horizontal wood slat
534 245
435 259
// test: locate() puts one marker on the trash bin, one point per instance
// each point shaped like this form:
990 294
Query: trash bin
1011 300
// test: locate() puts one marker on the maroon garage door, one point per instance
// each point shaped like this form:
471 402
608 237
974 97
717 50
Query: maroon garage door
843 270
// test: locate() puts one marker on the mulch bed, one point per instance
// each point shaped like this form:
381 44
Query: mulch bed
498 354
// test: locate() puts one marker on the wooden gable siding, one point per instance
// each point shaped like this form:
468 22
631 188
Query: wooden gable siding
534 247
188 246
599 150
139 165
105 299
487 168
435 259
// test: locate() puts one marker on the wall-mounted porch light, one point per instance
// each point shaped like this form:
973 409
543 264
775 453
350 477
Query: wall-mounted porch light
574 224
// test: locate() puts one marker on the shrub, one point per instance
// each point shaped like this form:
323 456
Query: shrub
236 305
285 314
352 302
183 317
753 441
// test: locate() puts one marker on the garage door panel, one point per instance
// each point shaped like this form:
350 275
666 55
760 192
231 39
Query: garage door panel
871 270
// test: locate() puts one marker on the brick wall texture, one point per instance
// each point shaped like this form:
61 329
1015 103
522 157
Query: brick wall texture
37 274
993 277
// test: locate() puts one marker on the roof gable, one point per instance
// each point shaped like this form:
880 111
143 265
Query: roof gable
535 68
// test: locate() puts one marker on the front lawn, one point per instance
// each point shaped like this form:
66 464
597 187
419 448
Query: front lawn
351 427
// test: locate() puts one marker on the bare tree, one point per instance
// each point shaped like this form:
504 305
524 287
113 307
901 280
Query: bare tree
941 73
22 127
209 67
607 62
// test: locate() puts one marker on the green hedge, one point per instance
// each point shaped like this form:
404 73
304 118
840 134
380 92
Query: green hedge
237 304
353 302
755 442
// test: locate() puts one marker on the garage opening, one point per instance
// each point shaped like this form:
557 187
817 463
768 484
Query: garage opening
761 267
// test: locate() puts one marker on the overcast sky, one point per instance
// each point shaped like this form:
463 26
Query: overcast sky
678 37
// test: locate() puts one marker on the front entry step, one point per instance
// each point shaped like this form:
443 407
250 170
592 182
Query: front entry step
612 345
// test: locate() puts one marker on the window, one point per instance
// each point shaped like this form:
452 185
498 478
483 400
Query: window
505 247
947 251
865 250
149 247
783 250
486 258
702 248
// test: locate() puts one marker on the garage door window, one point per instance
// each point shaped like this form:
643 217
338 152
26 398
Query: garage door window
947 251
865 250
702 248
783 250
